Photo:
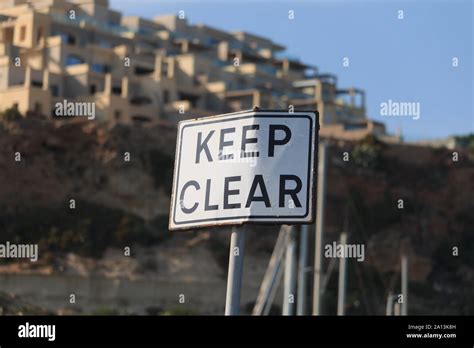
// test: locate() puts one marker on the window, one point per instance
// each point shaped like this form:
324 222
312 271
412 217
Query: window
54 90
71 40
23 33
117 90
166 97
39 34
140 119
96 68
140 70
189 97
105 44
38 108
65 37
100 68
117 115
8 34
74 60
355 126
164 69
140 100
92 89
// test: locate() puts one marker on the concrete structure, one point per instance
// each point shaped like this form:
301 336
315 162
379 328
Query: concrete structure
450 143
139 70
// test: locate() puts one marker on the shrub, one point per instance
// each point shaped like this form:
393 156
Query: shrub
368 153
161 167
11 114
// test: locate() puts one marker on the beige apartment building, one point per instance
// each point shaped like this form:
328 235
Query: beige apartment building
142 71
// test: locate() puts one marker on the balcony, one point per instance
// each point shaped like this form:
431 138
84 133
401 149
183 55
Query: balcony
184 109
286 56
81 21
140 100
253 69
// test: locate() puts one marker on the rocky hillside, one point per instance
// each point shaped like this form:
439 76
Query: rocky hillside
12 305
120 203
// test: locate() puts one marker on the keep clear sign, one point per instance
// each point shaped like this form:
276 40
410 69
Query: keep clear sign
252 166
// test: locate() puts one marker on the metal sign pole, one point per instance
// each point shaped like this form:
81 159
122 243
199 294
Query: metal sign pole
303 264
389 308
341 293
234 277
404 309
290 275
396 309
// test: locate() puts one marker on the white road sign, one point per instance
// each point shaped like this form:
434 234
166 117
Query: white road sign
252 166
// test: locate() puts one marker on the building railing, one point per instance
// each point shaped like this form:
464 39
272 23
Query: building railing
268 69
110 28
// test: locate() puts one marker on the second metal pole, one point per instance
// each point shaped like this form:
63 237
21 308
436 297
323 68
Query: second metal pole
234 277
319 228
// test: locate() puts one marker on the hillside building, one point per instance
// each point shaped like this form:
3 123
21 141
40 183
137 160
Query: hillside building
138 70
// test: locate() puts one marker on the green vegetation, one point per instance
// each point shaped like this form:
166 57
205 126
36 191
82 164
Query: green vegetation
367 153
375 217
13 305
220 250
11 114
161 167
466 141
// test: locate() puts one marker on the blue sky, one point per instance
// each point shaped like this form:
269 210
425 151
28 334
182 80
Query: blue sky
405 60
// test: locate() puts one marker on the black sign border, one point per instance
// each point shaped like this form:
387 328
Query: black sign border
256 114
